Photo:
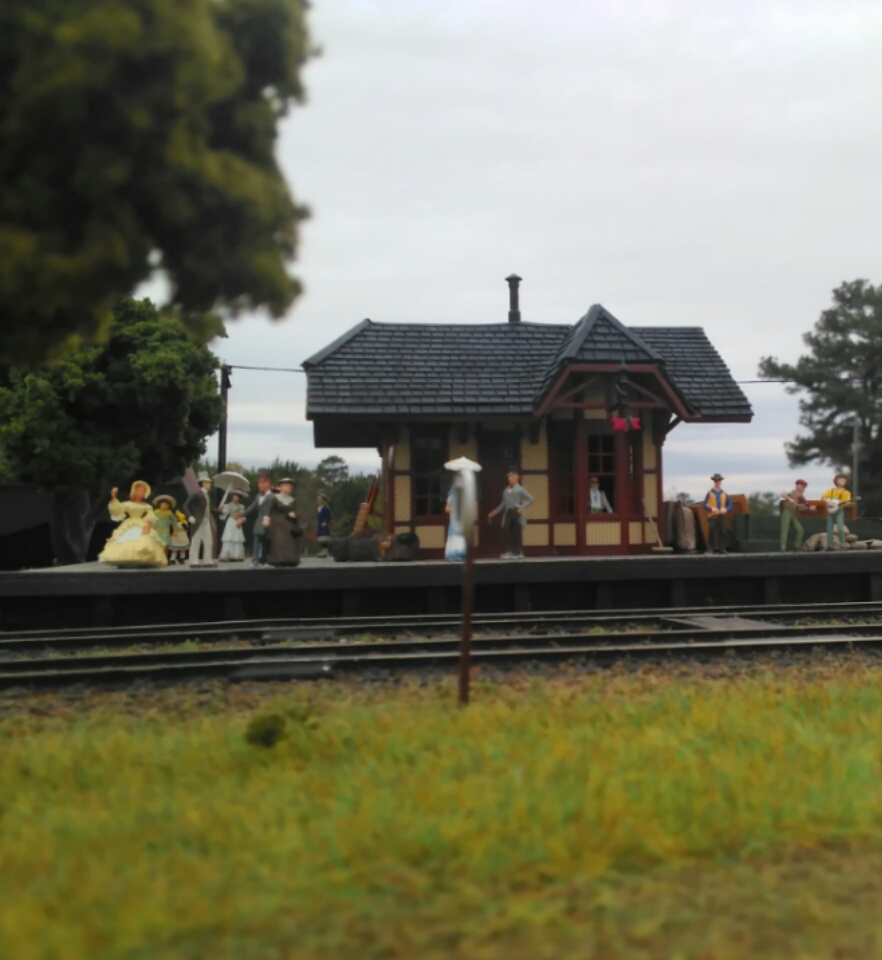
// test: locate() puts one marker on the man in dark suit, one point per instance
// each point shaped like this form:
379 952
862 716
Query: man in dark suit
203 532
259 509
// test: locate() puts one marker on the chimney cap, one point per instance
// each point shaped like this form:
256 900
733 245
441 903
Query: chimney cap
513 277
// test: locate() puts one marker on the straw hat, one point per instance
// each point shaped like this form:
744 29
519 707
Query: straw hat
165 498
462 463
140 483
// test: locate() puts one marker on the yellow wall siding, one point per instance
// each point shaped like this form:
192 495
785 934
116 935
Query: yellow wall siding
595 415
402 499
432 538
534 456
536 535
402 451
402 530
650 493
565 534
635 532
537 484
650 451
603 534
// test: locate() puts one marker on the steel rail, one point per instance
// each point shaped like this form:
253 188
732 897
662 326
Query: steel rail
321 664
342 626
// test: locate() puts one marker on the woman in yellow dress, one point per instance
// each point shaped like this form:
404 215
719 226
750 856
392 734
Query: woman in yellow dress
135 542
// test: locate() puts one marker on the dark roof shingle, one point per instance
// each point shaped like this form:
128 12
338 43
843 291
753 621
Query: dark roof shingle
399 369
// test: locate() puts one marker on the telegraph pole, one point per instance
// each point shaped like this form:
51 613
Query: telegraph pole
226 371
855 454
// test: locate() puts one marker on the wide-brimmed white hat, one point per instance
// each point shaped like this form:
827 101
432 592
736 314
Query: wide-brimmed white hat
463 463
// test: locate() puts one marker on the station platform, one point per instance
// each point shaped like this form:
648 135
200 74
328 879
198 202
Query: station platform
98 595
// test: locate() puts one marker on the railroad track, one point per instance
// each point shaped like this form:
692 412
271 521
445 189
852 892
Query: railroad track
312 648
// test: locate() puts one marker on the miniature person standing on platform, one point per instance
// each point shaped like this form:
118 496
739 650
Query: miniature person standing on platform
323 525
836 498
204 532
283 529
515 500
233 539
166 521
718 505
597 499
792 504
259 508
180 540
134 543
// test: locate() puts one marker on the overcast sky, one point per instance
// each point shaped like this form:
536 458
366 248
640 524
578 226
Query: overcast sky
706 162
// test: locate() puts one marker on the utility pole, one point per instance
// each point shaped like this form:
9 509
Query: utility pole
226 371
855 453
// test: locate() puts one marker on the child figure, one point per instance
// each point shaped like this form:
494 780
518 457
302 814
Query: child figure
791 505
515 500
179 546
836 498
166 521
717 504
233 539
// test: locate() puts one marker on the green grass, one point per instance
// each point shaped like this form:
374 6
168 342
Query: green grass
659 814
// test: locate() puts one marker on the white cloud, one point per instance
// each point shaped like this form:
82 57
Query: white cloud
711 164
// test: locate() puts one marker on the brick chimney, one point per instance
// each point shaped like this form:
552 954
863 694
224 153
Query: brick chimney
514 306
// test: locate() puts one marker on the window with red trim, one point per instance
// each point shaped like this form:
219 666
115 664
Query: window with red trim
602 464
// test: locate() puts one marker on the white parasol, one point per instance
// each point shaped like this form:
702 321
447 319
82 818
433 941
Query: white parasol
231 482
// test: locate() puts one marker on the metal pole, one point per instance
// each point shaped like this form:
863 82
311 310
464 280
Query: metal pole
465 645
222 432
855 452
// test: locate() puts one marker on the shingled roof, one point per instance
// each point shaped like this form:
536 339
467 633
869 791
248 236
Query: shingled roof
410 370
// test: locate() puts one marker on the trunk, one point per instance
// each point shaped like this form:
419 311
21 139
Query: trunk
73 520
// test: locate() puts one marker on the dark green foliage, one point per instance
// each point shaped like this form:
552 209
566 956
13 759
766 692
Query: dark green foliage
266 730
140 135
140 405
839 377
763 504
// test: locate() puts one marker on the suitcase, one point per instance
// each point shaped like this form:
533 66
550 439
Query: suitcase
405 548
363 550
340 549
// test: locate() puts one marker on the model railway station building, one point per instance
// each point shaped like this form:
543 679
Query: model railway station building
562 402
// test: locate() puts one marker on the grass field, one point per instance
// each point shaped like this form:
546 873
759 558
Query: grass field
665 813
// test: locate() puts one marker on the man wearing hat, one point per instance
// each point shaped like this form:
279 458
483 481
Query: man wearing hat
717 504
323 525
515 500
792 504
836 498
198 511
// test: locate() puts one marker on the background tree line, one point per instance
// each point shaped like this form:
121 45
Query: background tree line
346 491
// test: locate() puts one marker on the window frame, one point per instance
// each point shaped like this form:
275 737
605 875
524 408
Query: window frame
429 476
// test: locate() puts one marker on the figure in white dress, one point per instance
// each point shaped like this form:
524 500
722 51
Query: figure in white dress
233 540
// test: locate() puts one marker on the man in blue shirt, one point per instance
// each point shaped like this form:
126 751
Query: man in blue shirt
323 526
717 504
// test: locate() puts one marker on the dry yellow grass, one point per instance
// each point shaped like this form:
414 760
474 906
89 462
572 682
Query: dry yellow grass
615 815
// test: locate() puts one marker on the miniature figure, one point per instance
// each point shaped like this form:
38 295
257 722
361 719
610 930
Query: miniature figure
836 498
259 508
180 540
166 521
199 514
717 504
515 500
791 505
134 543
323 525
597 499
283 528
233 540
461 507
